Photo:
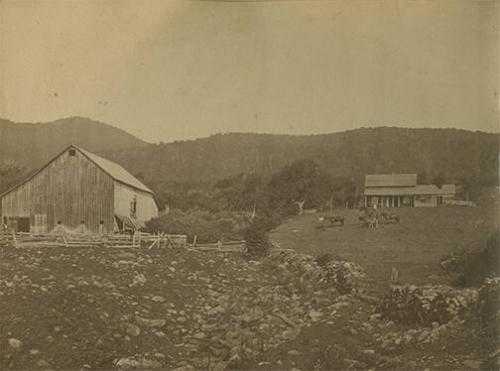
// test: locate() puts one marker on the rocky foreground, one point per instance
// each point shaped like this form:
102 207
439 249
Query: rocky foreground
63 308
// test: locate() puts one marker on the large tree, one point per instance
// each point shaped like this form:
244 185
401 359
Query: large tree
244 192
301 184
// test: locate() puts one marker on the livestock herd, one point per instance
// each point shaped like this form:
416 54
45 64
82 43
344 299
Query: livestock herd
369 217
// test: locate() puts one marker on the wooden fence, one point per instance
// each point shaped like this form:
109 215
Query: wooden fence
137 240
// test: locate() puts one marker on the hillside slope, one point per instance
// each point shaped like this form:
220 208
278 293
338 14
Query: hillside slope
453 154
31 144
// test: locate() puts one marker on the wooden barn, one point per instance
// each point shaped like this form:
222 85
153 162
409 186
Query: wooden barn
396 190
78 190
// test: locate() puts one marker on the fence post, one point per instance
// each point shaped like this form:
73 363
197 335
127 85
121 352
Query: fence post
14 238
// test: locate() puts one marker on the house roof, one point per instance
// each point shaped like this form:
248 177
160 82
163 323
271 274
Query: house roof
424 189
391 180
431 189
114 170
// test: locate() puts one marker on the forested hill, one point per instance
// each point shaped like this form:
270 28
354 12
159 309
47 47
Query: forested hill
449 153
30 145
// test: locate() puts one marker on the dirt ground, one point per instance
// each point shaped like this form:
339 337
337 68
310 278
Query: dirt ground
77 309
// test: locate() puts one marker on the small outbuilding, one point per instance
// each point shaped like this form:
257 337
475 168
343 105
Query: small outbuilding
80 190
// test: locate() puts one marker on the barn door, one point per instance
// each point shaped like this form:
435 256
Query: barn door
23 224
40 223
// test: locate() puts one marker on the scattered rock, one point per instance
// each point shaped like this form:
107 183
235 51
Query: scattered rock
132 329
184 368
158 299
43 363
315 315
137 363
154 323
15 343
139 280
472 364
200 335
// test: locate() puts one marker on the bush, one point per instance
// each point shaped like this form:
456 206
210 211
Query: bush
475 266
208 227
256 238
323 259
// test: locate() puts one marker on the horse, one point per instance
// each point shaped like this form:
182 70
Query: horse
369 220
372 221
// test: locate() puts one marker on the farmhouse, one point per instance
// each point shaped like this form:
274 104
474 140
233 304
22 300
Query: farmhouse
78 189
396 190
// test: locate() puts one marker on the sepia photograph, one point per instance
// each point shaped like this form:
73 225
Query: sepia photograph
275 185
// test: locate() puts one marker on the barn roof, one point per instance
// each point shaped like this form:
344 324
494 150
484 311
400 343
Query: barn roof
391 180
114 170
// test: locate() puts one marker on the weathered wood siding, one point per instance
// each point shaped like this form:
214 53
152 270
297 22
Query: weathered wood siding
70 189
146 207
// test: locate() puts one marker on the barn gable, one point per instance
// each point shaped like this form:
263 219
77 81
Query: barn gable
69 190
76 189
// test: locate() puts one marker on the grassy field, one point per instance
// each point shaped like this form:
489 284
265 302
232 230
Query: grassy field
414 246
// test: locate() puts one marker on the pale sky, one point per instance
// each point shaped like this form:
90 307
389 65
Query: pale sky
168 70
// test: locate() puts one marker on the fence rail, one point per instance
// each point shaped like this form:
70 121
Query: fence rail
137 240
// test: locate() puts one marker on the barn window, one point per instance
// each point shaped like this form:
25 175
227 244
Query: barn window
59 222
72 152
101 222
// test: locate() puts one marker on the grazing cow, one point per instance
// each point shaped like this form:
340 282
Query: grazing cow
332 220
390 217
336 219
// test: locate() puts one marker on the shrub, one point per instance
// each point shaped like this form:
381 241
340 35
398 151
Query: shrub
256 238
208 227
323 259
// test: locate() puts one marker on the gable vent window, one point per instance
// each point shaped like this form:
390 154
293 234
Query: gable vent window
72 152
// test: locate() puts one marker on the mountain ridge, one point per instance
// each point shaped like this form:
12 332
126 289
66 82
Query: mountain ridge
447 152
